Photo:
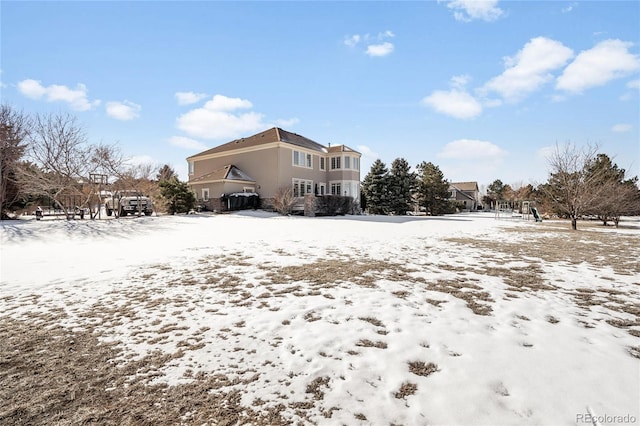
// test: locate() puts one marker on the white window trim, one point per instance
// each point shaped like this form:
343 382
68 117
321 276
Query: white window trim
322 188
332 162
192 167
322 164
305 155
207 192
249 189
308 184
351 187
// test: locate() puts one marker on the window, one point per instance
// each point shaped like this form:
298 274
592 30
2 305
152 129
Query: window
336 187
248 189
301 159
347 162
335 163
302 187
322 167
191 167
356 163
323 189
205 194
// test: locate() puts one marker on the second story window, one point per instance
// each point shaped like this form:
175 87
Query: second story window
301 159
335 163
322 160
347 162
191 167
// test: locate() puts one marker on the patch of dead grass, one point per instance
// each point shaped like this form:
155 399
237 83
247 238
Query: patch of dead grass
366 343
50 375
406 389
421 368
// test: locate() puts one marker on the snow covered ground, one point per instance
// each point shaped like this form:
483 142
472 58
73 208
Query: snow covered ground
460 319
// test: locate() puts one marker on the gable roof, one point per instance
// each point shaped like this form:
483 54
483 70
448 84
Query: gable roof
465 186
229 172
341 148
275 134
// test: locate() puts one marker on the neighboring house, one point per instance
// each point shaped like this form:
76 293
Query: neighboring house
466 194
270 160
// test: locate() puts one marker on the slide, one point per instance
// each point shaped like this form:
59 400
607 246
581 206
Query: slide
536 215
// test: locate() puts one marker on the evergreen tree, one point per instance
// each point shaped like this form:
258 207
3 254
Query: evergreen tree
374 188
178 196
14 128
432 189
166 173
401 183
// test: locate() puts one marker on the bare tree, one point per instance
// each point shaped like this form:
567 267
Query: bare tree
14 129
63 161
571 189
621 199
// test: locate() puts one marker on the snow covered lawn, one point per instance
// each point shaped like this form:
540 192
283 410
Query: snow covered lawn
260 319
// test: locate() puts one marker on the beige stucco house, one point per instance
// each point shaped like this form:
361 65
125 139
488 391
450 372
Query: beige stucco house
270 160
465 193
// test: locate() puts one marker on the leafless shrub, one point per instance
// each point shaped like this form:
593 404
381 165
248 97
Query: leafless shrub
283 201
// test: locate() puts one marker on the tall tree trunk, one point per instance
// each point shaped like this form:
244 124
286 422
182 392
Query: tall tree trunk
574 223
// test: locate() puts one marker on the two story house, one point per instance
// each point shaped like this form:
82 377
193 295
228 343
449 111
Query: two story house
270 160
466 194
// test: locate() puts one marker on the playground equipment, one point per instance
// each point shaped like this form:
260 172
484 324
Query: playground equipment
524 210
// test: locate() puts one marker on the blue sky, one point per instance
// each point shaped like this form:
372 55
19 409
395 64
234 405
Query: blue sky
482 88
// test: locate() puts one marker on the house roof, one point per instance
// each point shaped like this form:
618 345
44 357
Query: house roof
229 172
465 186
274 134
341 148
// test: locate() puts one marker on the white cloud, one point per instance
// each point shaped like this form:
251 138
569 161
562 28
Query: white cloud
634 84
221 118
460 81
367 152
76 98
569 8
606 61
187 98
224 103
187 143
376 45
529 69
380 49
621 128
469 149
123 110
218 119
140 160
469 10
455 103
352 41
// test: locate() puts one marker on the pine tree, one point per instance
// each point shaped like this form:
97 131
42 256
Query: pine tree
401 183
433 189
166 173
374 188
178 196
